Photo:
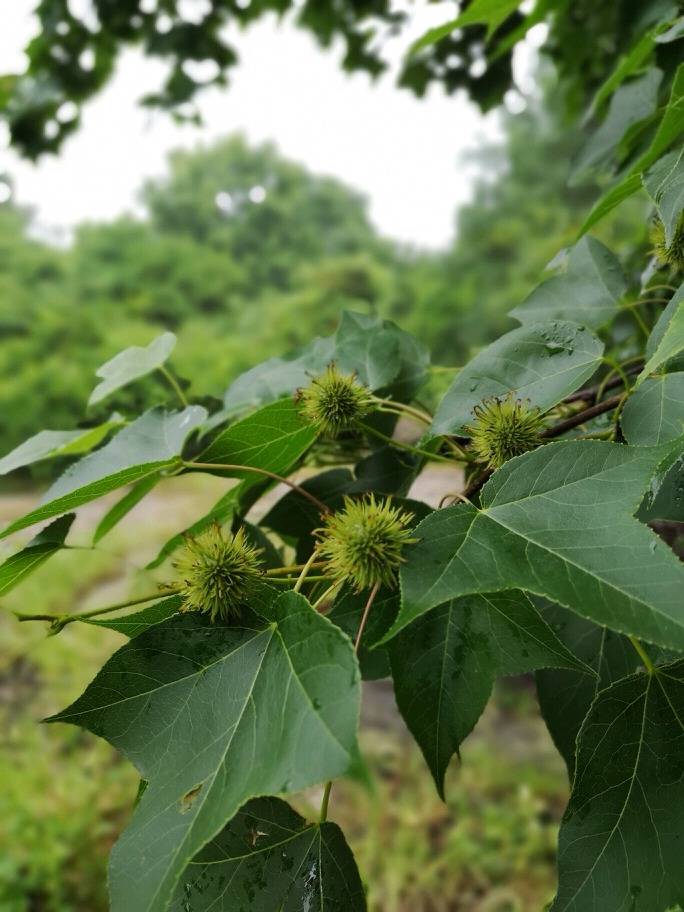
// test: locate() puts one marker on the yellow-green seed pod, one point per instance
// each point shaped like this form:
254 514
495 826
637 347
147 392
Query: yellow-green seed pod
504 428
334 401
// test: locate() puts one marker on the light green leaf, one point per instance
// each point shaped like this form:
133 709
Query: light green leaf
131 625
663 323
587 293
273 438
49 444
543 362
43 546
269 858
621 836
654 413
203 693
548 525
671 343
632 104
665 185
130 364
670 128
674 33
486 12
626 67
150 443
444 664
369 347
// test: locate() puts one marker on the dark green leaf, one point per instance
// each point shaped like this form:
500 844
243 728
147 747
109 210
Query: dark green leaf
626 67
269 858
557 522
124 506
612 198
150 443
347 613
203 694
621 837
671 341
631 104
444 664
43 546
543 363
368 347
133 624
564 695
273 438
665 185
49 444
587 293
654 413
665 499
131 364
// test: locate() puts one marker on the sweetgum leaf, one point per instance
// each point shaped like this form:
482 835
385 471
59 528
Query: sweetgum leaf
565 696
557 522
654 413
587 293
50 444
130 364
368 347
269 858
43 546
150 443
543 363
191 704
620 842
444 664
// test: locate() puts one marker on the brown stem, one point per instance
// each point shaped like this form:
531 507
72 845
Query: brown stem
580 418
589 395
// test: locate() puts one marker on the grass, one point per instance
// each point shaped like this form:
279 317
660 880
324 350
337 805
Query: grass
66 795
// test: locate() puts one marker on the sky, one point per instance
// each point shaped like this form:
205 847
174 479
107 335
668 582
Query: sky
403 153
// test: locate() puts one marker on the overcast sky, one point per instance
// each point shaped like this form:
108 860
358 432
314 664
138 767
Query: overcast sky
403 153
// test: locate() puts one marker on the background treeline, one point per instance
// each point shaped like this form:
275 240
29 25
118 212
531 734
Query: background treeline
245 255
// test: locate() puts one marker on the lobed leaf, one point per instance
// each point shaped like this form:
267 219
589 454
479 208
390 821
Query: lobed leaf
543 362
621 835
269 858
50 444
557 522
202 694
444 664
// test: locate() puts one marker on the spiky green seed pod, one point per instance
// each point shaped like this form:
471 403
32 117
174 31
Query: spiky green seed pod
217 574
334 402
672 253
362 543
504 428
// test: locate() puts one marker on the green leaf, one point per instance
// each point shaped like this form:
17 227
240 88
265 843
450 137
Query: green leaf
131 364
557 522
665 499
621 836
626 67
273 438
121 509
203 694
347 613
133 624
278 377
663 323
50 444
269 858
543 362
565 696
444 664
43 546
665 185
486 12
631 104
150 443
670 128
654 414
671 343
367 346
587 293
